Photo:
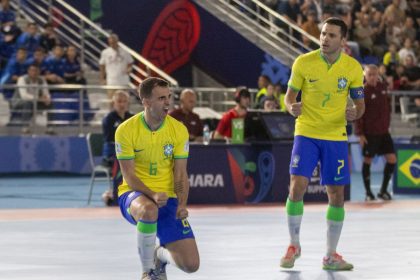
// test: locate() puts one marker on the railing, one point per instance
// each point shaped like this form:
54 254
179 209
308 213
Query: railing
75 29
73 99
217 99
266 28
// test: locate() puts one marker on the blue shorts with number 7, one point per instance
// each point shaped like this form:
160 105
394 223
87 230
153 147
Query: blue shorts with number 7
169 228
333 156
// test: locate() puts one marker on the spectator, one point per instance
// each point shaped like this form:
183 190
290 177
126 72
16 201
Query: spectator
395 12
55 66
24 98
373 131
224 128
270 104
391 59
364 35
7 16
120 113
269 94
15 68
40 60
411 76
185 114
407 50
280 94
311 27
30 40
72 71
49 39
409 31
263 82
115 65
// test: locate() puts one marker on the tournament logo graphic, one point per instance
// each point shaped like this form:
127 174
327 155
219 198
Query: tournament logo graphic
408 168
168 150
342 83
246 174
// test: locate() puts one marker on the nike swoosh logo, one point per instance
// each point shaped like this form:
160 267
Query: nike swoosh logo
186 231
313 81
338 178
136 151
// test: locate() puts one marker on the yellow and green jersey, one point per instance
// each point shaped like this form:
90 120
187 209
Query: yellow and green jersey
153 152
325 88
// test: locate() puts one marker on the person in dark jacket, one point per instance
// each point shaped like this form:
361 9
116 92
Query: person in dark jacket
373 131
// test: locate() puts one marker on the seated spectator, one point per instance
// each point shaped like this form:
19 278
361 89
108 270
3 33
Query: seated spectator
280 94
409 30
55 66
224 128
185 114
15 68
263 82
111 122
72 71
407 50
40 60
311 27
7 16
270 104
394 11
364 35
30 39
49 39
411 77
24 97
391 59
269 94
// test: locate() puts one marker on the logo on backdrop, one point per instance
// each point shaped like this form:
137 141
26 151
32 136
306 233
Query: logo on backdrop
173 36
244 175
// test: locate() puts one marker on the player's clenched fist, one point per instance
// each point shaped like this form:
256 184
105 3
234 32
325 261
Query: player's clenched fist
296 109
351 113
160 198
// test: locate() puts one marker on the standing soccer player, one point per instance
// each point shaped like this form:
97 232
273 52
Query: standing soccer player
325 77
152 148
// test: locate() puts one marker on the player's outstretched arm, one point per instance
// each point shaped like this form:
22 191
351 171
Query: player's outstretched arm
181 187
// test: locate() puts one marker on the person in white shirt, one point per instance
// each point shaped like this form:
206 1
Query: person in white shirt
23 99
114 65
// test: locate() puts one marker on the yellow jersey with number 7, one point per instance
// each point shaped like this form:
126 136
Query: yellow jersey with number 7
325 88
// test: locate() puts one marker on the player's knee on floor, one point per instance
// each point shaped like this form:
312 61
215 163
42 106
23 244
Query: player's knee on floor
191 266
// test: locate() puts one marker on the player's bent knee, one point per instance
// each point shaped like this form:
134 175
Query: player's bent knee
147 211
191 266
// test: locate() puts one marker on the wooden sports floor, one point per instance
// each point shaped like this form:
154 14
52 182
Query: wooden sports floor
44 242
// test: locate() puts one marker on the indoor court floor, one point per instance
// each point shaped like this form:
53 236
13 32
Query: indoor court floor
47 233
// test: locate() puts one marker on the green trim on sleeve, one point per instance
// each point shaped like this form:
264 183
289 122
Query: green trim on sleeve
180 157
125 158
295 89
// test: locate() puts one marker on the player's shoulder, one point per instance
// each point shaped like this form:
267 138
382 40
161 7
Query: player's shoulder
350 61
312 55
130 122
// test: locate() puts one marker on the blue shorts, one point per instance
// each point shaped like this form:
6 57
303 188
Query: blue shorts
169 228
333 156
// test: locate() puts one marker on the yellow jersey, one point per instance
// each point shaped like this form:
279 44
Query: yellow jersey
153 152
325 88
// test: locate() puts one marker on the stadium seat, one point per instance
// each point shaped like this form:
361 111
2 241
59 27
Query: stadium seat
406 115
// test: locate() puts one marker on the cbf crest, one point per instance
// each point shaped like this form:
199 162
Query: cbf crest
168 150
342 83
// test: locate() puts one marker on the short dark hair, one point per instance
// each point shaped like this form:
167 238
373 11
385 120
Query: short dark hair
339 22
147 86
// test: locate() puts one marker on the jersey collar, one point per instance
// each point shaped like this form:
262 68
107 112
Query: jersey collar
326 61
143 121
